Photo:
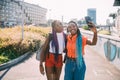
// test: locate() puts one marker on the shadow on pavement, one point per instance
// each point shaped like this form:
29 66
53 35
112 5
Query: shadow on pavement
1 76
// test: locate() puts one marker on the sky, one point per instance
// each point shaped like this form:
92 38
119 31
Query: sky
76 9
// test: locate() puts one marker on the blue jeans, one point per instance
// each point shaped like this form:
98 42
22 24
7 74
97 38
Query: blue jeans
72 72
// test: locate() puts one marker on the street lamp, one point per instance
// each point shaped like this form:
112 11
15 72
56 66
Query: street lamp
109 24
22 23
50 17
62 19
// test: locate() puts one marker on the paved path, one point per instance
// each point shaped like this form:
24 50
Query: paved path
98 68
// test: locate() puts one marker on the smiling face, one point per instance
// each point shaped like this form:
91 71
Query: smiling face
72 28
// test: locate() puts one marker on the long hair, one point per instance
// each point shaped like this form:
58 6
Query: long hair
78 45
55 44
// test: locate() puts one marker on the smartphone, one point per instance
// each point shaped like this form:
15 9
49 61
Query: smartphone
88 19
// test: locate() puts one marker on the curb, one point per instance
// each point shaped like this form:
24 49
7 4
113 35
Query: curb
14 61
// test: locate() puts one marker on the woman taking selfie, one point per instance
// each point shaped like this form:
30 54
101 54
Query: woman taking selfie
75 66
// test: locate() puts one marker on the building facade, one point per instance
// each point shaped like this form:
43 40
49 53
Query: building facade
14 12
92 13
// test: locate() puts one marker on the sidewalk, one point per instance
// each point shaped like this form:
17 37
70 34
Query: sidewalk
98 68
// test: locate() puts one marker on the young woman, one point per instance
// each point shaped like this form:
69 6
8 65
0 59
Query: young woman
53 59
75 66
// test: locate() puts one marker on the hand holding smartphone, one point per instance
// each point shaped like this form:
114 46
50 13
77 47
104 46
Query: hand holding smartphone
88 21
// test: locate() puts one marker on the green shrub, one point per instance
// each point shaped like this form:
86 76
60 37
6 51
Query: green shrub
3 59
86 27
13 51
12 47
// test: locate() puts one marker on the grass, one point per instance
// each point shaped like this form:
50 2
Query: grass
12 46
105 32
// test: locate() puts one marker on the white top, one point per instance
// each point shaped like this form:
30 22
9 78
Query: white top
61 42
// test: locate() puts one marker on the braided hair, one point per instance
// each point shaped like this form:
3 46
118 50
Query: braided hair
55 40
78 45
